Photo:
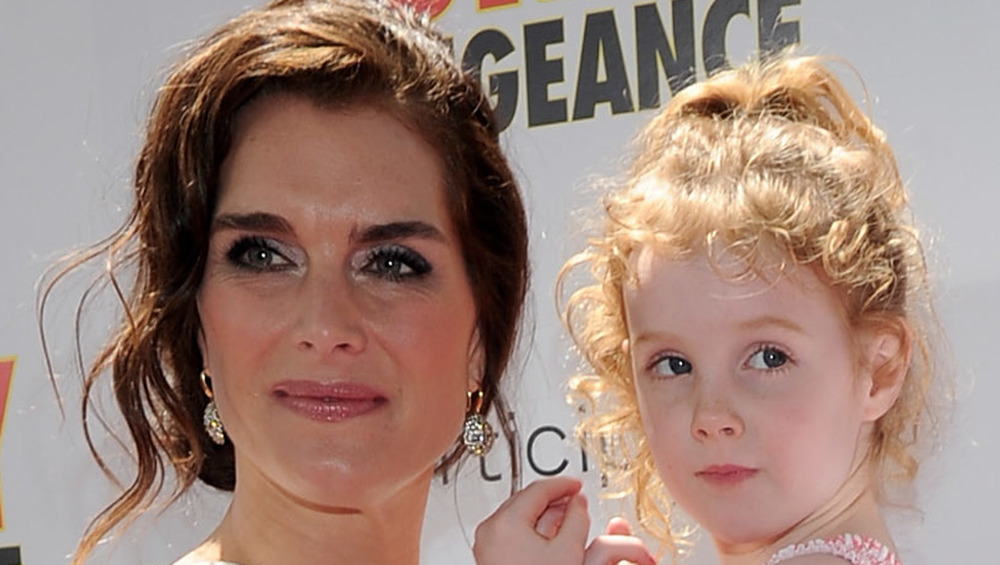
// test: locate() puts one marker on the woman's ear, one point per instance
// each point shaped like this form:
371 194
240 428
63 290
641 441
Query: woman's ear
206 365
203 347
887 361
477 362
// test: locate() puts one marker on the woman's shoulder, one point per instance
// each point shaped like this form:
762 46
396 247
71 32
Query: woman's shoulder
850 548
207 553
194 558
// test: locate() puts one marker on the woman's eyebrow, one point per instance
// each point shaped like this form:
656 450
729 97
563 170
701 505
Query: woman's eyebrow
262 221
254 221
396 230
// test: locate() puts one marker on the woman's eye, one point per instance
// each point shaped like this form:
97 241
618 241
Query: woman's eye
670 366
767 358
256 253
395 262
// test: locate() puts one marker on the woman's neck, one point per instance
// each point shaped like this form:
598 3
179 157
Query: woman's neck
265 526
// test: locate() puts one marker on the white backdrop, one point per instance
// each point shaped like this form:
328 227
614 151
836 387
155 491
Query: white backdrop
77 78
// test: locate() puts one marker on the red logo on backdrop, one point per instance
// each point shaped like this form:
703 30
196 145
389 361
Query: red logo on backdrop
487 4
6 375
437 7
434 7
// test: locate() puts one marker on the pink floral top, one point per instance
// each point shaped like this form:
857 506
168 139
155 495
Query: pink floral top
855 549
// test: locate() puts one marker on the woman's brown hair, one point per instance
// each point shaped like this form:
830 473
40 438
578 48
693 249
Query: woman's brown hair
337 53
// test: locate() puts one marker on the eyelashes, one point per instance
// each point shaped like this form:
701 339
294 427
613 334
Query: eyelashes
394 262
765 358
669 365
391 262
257 254
768 358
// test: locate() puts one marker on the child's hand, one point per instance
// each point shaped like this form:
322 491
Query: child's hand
547 522
617 544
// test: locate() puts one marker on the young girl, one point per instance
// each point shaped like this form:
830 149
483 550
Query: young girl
757 333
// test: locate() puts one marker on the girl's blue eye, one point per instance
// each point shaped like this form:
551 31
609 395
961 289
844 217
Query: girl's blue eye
256 254
670 366
395 263
767 358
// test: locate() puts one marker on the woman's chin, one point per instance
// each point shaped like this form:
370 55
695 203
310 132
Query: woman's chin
339 486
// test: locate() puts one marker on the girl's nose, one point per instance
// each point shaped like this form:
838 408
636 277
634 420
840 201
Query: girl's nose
715 416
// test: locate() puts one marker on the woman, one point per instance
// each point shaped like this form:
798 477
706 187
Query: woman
330 257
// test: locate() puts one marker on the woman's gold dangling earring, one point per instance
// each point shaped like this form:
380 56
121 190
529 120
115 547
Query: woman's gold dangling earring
477 434
213 424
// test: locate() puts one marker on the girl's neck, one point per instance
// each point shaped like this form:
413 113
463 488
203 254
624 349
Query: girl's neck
264 526
854 509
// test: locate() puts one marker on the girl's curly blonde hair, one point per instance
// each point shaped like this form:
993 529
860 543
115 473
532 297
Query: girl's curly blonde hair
771 156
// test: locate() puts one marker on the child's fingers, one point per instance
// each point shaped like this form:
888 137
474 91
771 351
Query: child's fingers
609 550
514 523
628 548
576 524
551 519
529 504
541 524
618 526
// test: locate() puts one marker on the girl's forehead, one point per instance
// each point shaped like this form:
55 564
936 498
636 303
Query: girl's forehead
692 296
654 270
765 265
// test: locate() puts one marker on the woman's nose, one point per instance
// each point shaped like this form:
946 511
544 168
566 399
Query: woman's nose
715 415
330 317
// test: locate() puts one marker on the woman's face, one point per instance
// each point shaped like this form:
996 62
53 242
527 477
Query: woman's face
337 318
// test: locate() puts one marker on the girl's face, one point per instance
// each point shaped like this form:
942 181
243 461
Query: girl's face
749 394
338 321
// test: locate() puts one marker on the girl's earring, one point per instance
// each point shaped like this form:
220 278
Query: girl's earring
477 434
213 424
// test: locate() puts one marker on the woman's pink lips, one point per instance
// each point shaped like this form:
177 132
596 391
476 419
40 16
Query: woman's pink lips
726 474
328 402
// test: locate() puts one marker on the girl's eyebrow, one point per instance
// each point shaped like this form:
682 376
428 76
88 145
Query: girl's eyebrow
764 321
654 336
254 221
748 324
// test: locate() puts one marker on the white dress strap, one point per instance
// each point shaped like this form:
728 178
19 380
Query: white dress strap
855 549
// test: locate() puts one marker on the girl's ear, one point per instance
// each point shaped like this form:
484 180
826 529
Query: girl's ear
887 361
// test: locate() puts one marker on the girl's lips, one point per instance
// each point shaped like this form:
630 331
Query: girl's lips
328 402
725 475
